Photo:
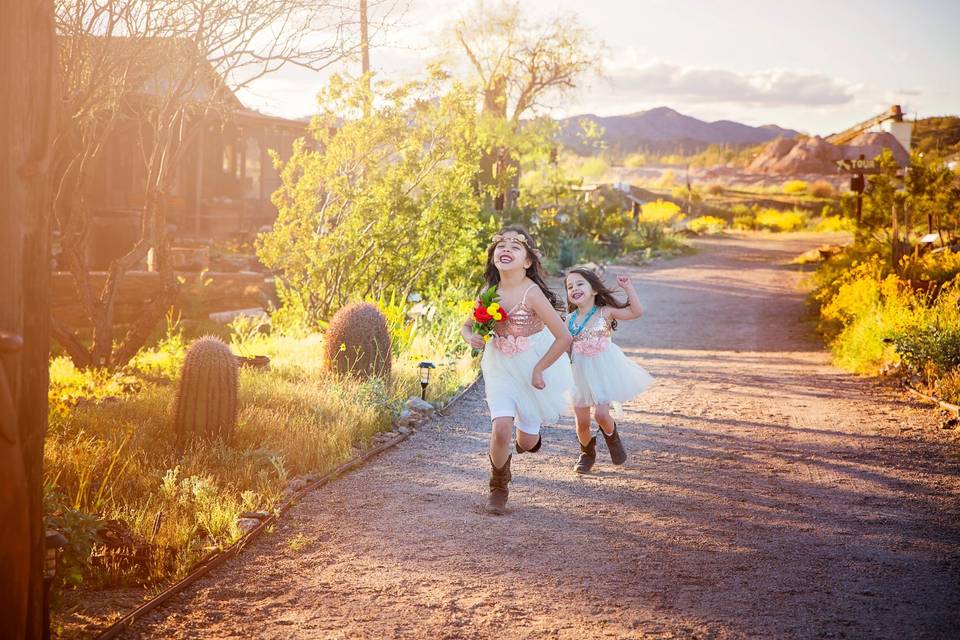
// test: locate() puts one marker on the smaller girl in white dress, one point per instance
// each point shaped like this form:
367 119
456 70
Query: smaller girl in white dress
602 374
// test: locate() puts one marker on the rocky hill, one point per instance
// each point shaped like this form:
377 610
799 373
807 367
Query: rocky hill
663 130
816 155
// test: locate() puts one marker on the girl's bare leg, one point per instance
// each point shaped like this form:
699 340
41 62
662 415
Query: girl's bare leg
582 415
527 441
500 440
604 419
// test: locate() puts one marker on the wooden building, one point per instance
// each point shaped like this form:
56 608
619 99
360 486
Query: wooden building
222 185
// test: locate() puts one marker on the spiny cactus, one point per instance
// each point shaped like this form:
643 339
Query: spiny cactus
207 396
358 342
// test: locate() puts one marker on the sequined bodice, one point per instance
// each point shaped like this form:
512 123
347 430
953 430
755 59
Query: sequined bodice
522 321
598 329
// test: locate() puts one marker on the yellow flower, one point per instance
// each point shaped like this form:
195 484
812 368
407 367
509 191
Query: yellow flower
492 309
498 316
486 338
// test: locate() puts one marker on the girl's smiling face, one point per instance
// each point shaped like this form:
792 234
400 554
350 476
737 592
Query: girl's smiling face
510 253
579 291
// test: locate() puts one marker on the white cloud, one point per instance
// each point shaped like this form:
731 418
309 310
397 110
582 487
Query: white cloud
668 81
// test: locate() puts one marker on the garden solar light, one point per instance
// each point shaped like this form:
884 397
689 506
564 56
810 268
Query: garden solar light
425 368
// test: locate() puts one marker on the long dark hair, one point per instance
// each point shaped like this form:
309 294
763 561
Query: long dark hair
605 295
535 271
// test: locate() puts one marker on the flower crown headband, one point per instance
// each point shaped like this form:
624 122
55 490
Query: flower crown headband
517 238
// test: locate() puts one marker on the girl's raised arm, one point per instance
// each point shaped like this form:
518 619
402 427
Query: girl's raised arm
633 310
562 338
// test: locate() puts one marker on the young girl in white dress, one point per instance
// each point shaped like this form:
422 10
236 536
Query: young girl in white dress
602 374
525 366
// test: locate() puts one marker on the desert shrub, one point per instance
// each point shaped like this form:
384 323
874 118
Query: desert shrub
948 386
830 224
594 168
794 186
707 224
652 224
822 189
939 266
929 351
782 221
635 160
716 189
667 179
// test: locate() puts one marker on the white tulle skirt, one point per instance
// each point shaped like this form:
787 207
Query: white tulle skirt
603 374
507 366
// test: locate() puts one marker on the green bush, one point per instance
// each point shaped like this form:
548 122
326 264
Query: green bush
832 224
707 224
871 318
939 266
794 186
929 351
780 221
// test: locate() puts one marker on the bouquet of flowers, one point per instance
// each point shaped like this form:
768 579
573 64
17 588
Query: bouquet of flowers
486 314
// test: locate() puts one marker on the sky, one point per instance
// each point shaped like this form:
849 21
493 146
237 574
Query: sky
818 66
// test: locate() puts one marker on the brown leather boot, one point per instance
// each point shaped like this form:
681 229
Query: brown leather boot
499 479
588 456
618 454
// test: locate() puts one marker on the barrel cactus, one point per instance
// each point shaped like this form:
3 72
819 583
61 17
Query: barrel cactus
358 342
207 397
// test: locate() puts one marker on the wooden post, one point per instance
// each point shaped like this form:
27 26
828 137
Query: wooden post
198 181
895 241
28 76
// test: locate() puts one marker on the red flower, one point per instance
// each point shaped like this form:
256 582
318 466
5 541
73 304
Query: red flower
481 315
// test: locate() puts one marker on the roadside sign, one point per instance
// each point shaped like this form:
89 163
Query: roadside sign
858 165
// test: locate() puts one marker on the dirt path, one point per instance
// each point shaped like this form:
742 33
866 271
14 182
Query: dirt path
767 494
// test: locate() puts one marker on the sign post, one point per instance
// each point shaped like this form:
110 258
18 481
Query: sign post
858 167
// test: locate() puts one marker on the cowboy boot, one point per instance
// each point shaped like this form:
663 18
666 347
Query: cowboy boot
618 455
533 449
588 455
499 479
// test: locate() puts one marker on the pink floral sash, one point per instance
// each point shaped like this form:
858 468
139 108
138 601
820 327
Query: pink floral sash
511 345
590 347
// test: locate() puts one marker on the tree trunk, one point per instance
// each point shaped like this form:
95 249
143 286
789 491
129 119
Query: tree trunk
495 105
27 48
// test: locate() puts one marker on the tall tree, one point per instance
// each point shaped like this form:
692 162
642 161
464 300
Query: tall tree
519 63
27 48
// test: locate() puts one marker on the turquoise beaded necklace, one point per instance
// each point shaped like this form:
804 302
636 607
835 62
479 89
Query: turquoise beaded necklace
575 329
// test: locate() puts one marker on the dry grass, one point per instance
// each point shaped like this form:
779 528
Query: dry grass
113 456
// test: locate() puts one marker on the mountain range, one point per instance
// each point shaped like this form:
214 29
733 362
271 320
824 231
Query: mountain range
664 130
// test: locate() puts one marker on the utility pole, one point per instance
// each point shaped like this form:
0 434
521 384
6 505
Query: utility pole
365 54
